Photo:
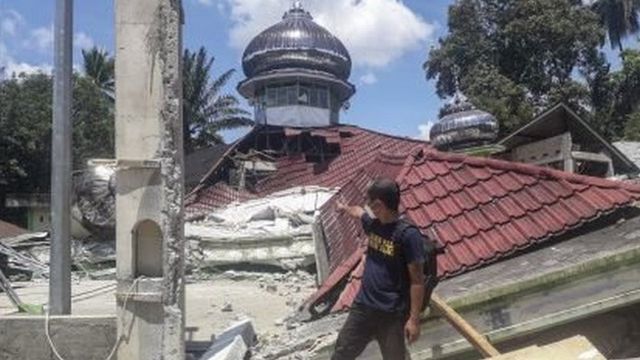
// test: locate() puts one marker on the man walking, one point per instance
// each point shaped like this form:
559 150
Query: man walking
387 308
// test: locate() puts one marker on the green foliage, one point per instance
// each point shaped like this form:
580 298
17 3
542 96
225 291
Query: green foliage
25 139
206 111
93 123
632 128
99 68
25 120
619 17
515 57
615 95
498 95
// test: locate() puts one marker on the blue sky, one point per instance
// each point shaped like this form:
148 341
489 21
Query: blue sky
388 41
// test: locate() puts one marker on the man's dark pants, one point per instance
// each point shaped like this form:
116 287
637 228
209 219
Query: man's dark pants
364 325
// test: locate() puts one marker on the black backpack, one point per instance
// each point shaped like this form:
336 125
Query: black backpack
431 250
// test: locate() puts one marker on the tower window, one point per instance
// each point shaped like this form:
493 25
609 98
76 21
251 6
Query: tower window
294 94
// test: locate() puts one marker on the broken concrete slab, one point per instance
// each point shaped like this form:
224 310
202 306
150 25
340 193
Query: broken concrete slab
243 330
236 350
275 230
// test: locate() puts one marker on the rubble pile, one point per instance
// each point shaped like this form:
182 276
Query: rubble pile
274 231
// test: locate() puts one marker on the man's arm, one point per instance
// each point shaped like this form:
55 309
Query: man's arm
354 211
416 293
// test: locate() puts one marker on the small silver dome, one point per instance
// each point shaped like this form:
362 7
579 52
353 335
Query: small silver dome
296 42
462 125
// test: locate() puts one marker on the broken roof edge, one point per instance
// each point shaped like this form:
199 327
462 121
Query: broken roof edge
578 246
562 105
259 128
528 169
217 164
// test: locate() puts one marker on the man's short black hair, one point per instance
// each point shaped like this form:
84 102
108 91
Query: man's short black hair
385 190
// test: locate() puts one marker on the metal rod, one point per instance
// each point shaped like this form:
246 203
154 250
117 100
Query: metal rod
60 255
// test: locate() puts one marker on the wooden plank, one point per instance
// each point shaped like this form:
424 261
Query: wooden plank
463 327
322 258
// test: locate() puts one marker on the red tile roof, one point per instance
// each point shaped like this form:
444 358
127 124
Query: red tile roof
479 210
8 230
214 196
356 148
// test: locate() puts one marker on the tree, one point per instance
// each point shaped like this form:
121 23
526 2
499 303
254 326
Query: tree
632 127
99 68
206 111
93 123
25 139
25 120
516 57
619 17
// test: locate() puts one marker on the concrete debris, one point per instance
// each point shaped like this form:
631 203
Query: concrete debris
275 231
236 350
299 340
233 343
20 256
227 307
27 256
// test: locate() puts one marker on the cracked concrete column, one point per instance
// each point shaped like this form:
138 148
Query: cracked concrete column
150 190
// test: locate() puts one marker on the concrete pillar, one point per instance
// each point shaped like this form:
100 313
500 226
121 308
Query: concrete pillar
150 189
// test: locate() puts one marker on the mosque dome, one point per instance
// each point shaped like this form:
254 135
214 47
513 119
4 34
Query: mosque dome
296 42
462 125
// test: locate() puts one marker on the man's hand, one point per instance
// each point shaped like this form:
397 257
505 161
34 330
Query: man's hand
412 329
354 211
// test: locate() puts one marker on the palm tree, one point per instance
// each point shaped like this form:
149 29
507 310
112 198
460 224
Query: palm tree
205 110
99 67
620 17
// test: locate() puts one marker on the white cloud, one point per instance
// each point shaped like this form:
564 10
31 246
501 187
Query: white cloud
376 32
205 2
10 67
10 20
369 78
40 39
82 41
425 130
16 69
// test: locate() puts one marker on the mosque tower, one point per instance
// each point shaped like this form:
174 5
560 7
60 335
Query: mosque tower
297 73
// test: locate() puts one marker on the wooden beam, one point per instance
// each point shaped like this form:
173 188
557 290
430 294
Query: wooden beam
472 335
587 156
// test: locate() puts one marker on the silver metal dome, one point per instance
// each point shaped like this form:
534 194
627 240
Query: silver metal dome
462 126
296 42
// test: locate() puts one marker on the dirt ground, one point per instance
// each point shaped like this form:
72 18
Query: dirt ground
212 305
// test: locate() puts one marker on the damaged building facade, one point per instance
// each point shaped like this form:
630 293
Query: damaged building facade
532 254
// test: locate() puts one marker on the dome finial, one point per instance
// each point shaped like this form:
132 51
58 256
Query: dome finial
297 5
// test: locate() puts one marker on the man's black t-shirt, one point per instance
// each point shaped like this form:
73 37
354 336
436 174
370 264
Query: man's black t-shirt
385 283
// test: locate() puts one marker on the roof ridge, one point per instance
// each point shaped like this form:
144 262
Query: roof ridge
398 137
529 169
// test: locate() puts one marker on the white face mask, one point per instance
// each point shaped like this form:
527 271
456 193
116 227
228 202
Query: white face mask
369 212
